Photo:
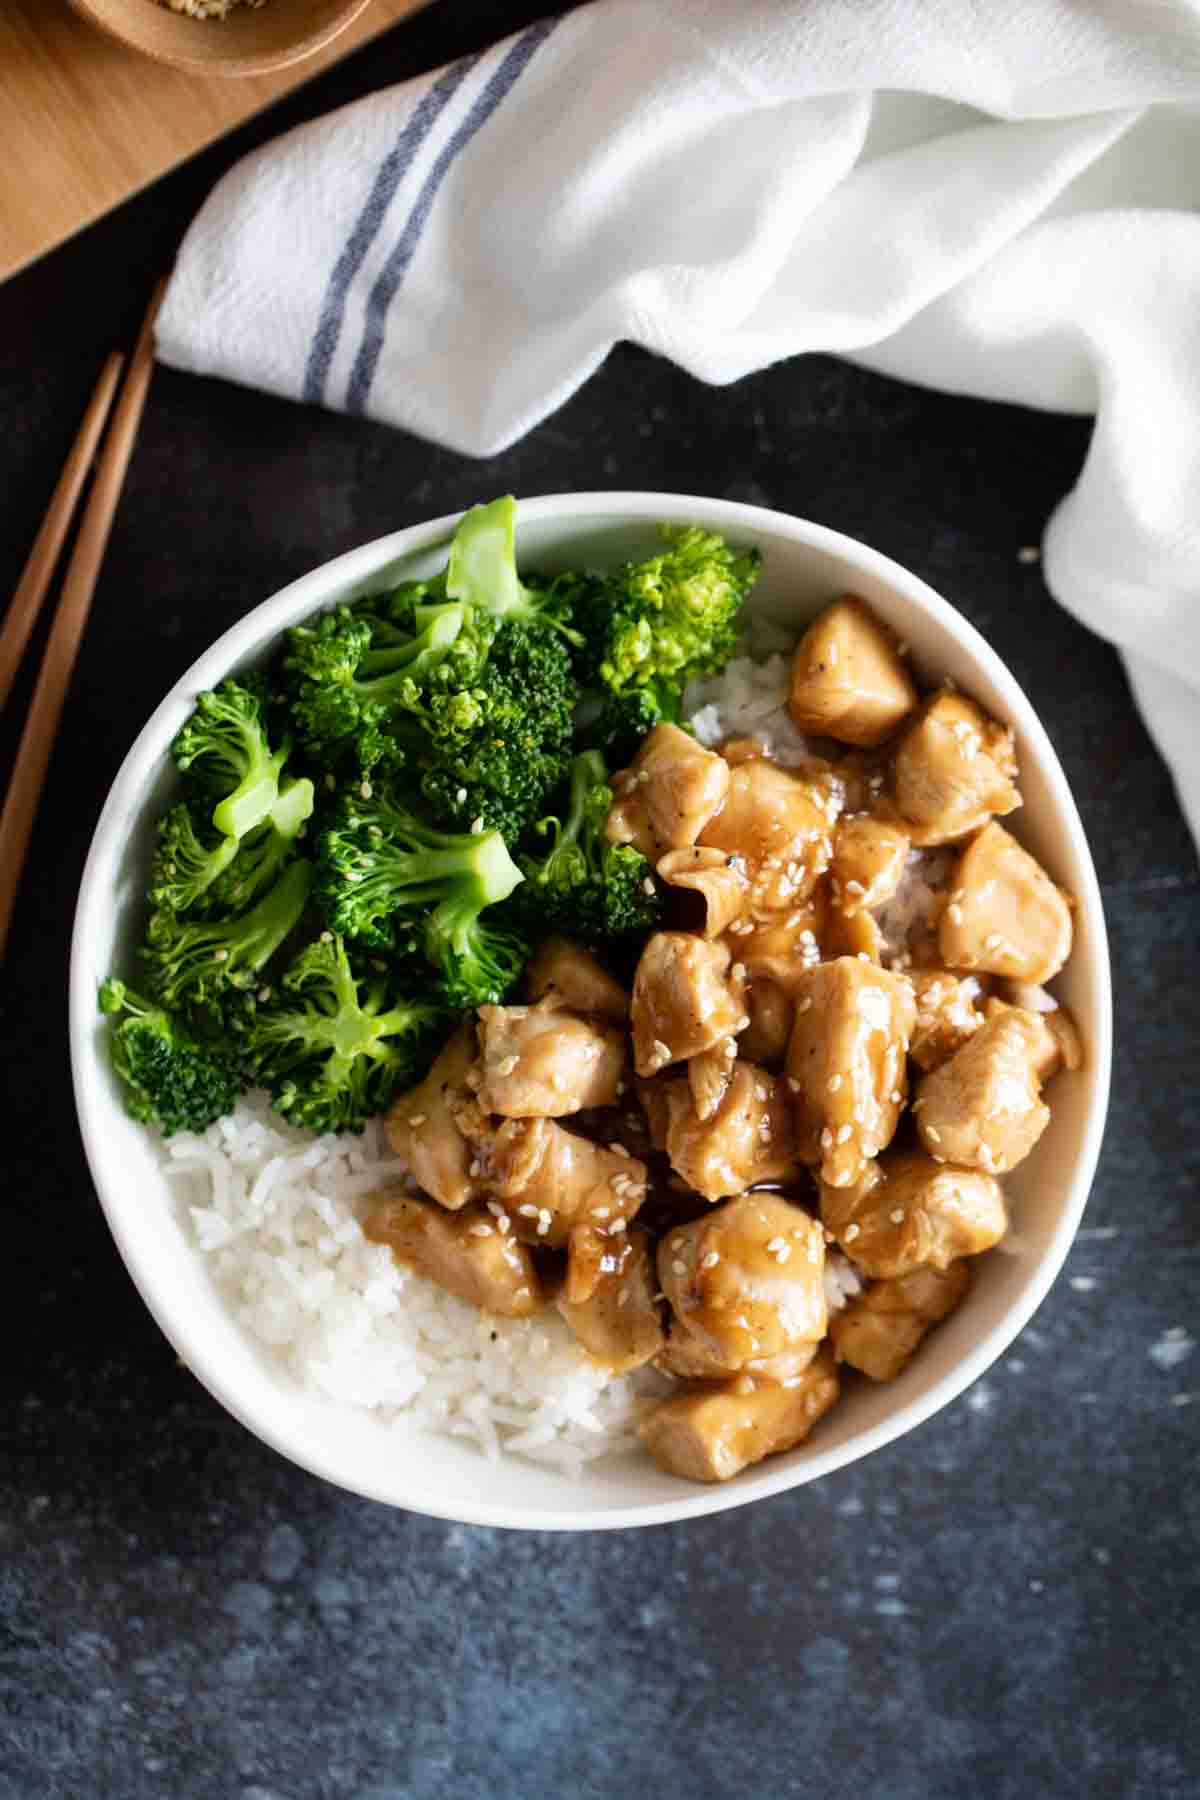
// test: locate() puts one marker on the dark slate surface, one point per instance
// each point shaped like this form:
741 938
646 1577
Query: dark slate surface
1002 1605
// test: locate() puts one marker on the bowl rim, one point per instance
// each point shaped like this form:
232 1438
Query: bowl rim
312 591
231 63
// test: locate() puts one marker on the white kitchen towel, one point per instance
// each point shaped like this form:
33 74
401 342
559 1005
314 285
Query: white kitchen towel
995 197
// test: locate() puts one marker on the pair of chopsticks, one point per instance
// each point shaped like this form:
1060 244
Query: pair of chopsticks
79 583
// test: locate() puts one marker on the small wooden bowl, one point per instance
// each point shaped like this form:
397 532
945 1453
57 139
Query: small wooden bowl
251 41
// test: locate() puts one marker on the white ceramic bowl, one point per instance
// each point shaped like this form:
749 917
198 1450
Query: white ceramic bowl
804 566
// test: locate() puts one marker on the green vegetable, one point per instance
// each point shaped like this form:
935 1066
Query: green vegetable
333 1044
660 623
494 752
171 1080
584 884
384 876
225 750
357 673
202 962
265 853
482 571
187 861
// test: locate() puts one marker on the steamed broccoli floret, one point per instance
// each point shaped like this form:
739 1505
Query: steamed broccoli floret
265 853
225 750
201 962
187 861
584 884
357 673
387 878
170 1079
482 571
495 753
662 622
332 1043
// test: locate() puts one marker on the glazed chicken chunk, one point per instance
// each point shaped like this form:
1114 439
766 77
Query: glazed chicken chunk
687 997
1005 916
620 1323
540 1063
879 1331
668 794
947 1015
422 1125
765 1039
564 973
848 680
846 1064
746 1138
984 1109
711 1433
719 881
779 826
471 1253
746 1281
551 1180
907 1210
954 768
868 861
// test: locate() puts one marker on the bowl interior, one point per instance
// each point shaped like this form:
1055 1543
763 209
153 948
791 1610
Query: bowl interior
250 41
804 566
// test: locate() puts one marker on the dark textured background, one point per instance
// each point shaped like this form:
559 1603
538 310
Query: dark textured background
1004 1604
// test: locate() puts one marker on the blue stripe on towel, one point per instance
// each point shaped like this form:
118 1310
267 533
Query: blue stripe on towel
396 267
391 173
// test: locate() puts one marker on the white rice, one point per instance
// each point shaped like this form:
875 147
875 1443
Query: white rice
275 1213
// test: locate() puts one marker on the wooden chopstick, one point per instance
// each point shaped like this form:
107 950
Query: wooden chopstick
62 646
31 590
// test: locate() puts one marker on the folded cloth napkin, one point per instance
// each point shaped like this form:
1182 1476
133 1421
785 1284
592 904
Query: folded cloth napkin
995 200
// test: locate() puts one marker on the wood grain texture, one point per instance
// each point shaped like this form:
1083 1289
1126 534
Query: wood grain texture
88 122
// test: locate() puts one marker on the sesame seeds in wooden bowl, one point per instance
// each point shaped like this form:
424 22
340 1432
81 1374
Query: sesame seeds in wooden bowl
250 40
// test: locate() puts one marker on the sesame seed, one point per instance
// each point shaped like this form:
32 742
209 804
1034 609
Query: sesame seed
1029 553
993 941
793 1084
507 1066
264 994
505 1224
711 1260
618 1227
543 1224
477 826
954 914
221 956
417 1118
619 1150
528 1212
366 790
851 1232
327 937
622 1296
480 1230
648 887
523 1293
775 1244
897 1217
897 1097
843 1136
827 1139
601 1212
834 1083
935 1137
678 1267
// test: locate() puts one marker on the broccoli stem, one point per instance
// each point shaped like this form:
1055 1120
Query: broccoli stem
251 800
437 628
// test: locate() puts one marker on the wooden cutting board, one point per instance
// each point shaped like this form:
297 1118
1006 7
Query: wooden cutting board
85 123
